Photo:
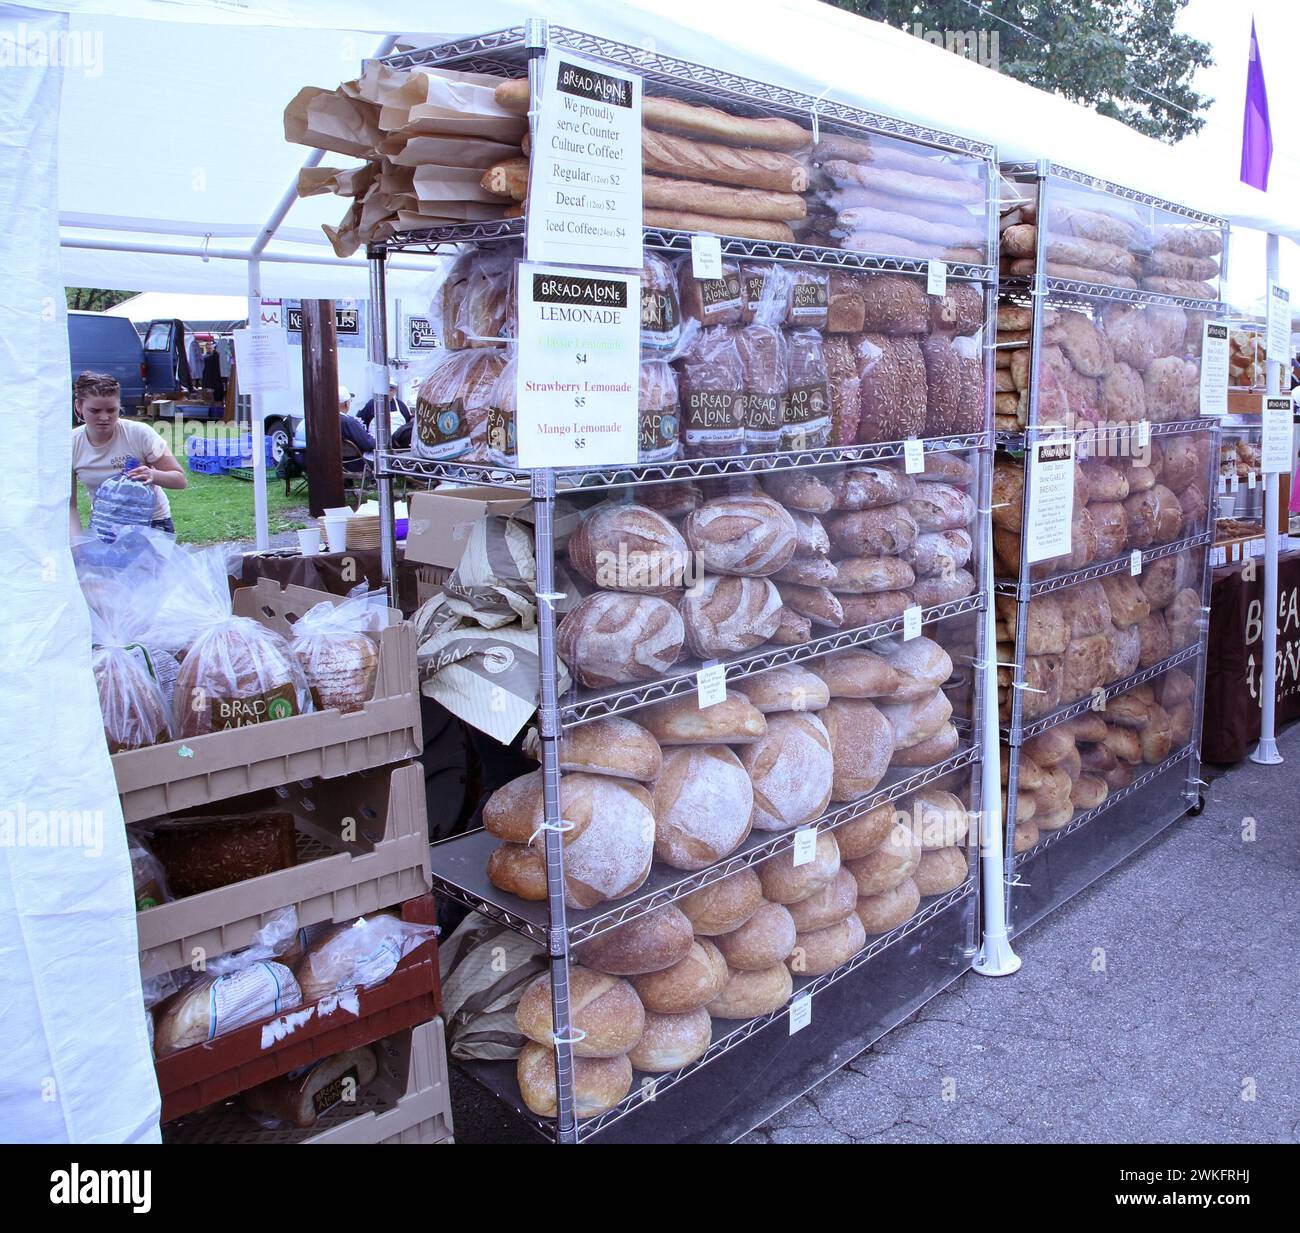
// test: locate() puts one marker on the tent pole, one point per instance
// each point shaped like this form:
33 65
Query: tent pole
227 254
260 521
1266 751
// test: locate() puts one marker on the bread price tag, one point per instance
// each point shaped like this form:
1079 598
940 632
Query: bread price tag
1234 483
706 256
1135 562
913 456
936 278
711 685
911 622
800 1013
1250 480
805 846
1223 483
1144 434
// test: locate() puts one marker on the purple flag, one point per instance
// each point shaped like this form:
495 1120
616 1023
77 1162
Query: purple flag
1256 136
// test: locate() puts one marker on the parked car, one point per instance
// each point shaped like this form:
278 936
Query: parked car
98 343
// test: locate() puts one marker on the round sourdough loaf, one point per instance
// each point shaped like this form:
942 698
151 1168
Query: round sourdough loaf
886 531
646 943
691 982
921 665
940 871
1123 651
624 547
606 1012
728 616
860 610
799 490
790 688
703 806
869 487
865 834
1026 833
516 868
670 1042
762 941
811 539
723 905
785 882
823 950
886 866
1089 791
862 742
791 770
747 995
937 818
750 536
808 572
514 811
614 639
940 553
614 746
912 722
856 673
889 909
869 575
827 906
598 1083
941 507
929 592
682 721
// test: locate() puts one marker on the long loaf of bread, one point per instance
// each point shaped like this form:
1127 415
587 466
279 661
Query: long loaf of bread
746 228
719 164
867 218
673 116
931 211
904 183
880 153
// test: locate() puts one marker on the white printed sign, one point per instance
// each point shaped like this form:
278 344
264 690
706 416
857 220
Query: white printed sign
584 186
913 456
261 360
706 257
1275 446
711 685
800 1013
1050 521
1279 324
936 278
1214 368
579 367
805 846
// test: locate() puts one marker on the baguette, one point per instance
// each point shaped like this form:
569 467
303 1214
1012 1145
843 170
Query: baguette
719 164
674 116
905 183
880 242
833 146
662 193
508 178
746 228
868 218
931 211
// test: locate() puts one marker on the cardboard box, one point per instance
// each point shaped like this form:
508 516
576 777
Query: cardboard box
441 521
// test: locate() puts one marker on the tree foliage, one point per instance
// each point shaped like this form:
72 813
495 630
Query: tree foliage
95 299
1121 57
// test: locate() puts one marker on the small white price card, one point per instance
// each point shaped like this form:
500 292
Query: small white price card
1234 483
1275 450
913 456
911 622
936 278
1250 480
805 846
711 685
1144 434
1214 368
800 1013
1223 483
1135 562
1279 324
706 256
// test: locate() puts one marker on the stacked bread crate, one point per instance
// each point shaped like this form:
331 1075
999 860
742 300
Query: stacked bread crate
750 848
345 781
1103 498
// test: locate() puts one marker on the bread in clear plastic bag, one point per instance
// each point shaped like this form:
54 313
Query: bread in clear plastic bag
451 407
658 411
807 420
502 419
710 301
358 954
476 303
339 657
148 875
712 379
762 354
661 312
215 1004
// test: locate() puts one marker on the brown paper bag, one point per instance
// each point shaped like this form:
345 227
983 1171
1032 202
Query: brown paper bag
452 184
343 181
327 120
405 149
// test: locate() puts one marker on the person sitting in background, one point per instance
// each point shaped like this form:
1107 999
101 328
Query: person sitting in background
395 406
103 443
350 429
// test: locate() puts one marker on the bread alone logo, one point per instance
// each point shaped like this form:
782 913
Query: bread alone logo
498 659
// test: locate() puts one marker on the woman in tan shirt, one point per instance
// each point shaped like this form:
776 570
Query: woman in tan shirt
104 441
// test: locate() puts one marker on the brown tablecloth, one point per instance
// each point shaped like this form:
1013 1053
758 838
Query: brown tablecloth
1232 673
339 572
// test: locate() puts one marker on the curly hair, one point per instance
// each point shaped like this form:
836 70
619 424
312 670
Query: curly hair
95 385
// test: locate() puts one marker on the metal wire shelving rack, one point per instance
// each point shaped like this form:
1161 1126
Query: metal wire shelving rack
944 931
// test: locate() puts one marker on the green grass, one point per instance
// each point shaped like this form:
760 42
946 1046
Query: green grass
217 508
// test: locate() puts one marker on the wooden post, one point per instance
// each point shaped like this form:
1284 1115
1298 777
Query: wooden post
320 404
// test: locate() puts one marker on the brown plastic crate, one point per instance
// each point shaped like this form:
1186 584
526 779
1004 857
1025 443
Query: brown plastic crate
202 769
387 864
409 1101
203 1074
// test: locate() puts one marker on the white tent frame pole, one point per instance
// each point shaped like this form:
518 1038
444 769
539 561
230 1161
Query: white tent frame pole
225 254
1266 751
261 519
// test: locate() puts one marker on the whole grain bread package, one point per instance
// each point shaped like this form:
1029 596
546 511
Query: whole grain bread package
807 422
712 378
502 442
661 311
337 647
452 406
658 411
475 306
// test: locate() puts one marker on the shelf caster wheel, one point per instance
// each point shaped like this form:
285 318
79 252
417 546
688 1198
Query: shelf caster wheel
1199 808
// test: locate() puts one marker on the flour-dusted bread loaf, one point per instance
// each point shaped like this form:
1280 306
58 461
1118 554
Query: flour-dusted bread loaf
1184 618
866 833
1123 651
879 913
827 906
799 490
647 943
887 531
622 547
818 603
728 615
761 942
1127 328
703 806
792 687
670 1042
1126 599
888 865
856 673
682 721
929 592
615 639
519 870
937 818
785 882
1154 517
933 749
748 995
791 769
941 870
1110 525
598 1083
915 720
921 665
751 536
892 389
513 811
862 610
1175 687
868 575
1084 668
605 1010
614 745
1086 609
941 507
723 905
808 571
823 950
690 983
862 742
939 553
1122 394
1163 578
866 486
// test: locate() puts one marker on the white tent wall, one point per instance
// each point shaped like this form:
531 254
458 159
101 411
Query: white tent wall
77 1065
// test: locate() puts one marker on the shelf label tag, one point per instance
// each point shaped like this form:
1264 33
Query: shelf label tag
1279 325
584 196
1135 562
1214 368
1144 434
1275 449
577 384
1234 483
706 256
800 1013
1223 483
1250 480
805 846
711 685
936 278
913 456
911 622
1051 499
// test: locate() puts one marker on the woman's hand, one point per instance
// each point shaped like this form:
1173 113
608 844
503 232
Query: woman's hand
143 475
